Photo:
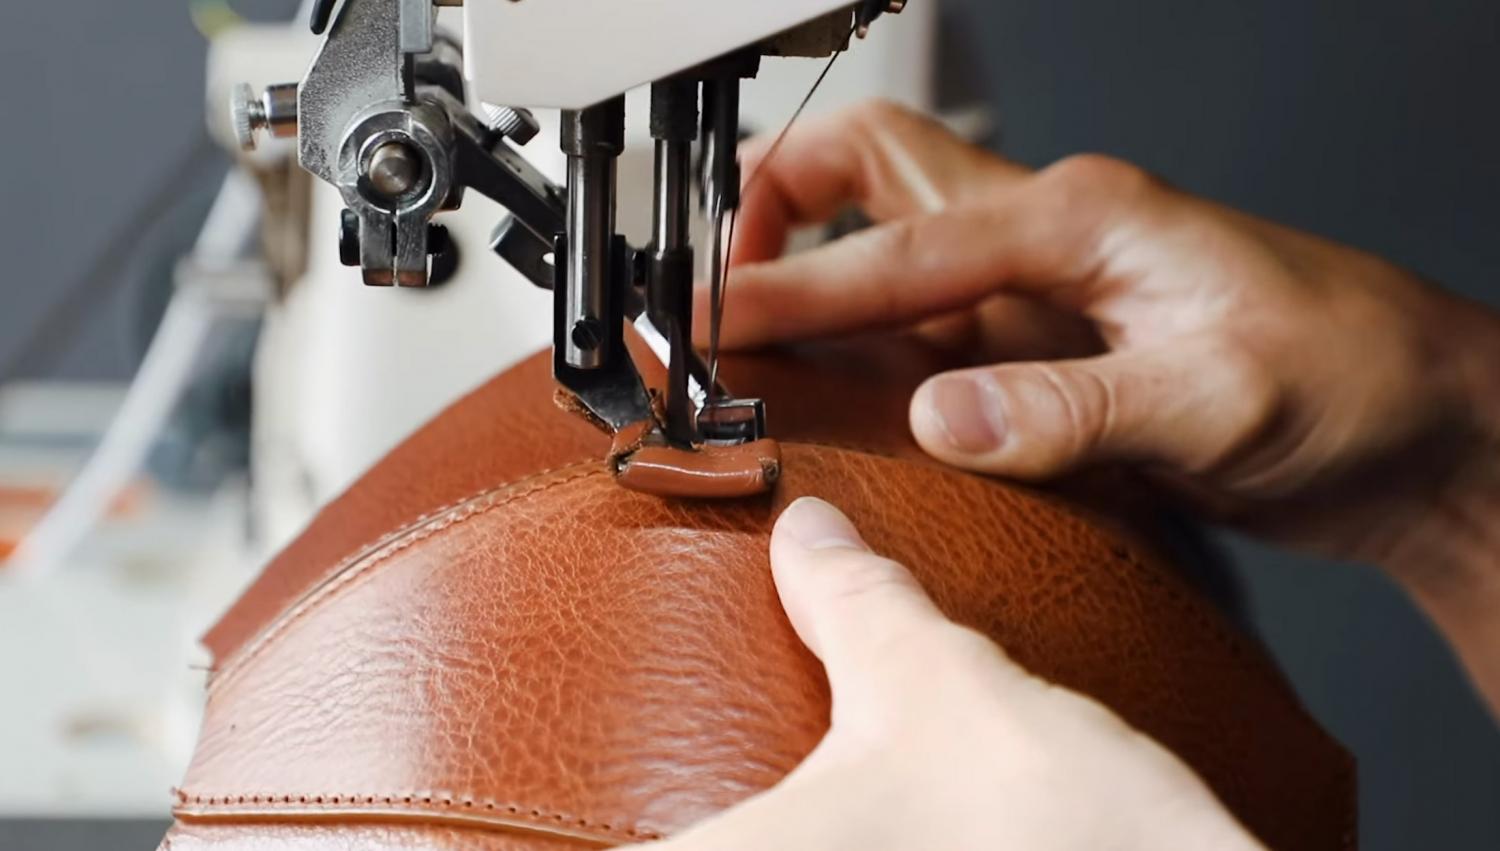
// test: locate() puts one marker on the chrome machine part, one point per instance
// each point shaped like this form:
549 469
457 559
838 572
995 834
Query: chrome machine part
720 191
357 100
593 275
395 172
275 110
592 138
669 277
394 169
359 66
381 115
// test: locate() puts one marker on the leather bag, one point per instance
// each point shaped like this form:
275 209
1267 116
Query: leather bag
487 644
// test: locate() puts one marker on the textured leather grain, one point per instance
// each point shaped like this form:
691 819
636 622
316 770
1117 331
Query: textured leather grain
489 644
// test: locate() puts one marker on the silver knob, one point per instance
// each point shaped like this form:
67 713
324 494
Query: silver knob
517 125
248 113
394 169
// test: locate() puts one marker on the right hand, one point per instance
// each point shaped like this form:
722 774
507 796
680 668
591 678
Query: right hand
938 740
1290 385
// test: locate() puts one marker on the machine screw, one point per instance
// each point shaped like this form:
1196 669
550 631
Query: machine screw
349 238
394 169
248 113
445 255
438 239
517 125
275 110
588 333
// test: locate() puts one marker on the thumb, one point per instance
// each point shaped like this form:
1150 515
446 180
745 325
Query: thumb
858 612
1188 406
851 608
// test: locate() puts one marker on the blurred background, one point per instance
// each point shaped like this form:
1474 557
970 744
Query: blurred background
197 384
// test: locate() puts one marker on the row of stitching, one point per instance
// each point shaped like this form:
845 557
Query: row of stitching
361 567
484 502
369 548
545 817
425 525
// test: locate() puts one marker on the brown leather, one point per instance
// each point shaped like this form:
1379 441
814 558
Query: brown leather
488 644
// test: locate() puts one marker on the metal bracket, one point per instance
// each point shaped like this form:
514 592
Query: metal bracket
613 391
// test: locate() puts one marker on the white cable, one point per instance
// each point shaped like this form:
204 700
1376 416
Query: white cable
153 394
164 372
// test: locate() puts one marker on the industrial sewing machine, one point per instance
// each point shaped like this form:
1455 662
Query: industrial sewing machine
382 114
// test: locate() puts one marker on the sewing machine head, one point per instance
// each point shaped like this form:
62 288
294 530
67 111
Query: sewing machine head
382 114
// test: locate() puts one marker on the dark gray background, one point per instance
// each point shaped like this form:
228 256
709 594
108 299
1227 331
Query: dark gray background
1376 122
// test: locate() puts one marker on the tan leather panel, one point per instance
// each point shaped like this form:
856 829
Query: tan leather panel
535 657
564 653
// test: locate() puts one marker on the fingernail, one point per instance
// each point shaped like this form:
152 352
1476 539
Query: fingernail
815 525
964 413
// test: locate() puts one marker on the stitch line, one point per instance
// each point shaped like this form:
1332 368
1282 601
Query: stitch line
361 568
422 527
541 816
485 502
370 548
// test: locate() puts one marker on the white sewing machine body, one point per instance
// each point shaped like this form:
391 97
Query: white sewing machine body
344 371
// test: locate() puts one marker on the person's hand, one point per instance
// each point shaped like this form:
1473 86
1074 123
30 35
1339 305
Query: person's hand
938 740
1293 386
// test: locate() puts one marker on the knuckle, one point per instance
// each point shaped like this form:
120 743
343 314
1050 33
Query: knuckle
903 240
945 657
965 646
1098 170
969 667
882 113
1248 377
1063 414
1252 395
1090 404
1090 178
899 245
862 577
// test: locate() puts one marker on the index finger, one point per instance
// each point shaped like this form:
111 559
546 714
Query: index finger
887 160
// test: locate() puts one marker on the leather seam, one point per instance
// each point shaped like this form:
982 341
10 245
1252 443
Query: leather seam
417 802
381 549
485 501
371 548
361 566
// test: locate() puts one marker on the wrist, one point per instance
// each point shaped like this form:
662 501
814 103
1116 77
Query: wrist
1199 824
1450 565
1457 538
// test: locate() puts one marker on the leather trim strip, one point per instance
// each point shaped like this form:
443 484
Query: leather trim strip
423 808
708 472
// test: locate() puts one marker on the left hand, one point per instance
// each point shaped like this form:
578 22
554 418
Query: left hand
938 740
